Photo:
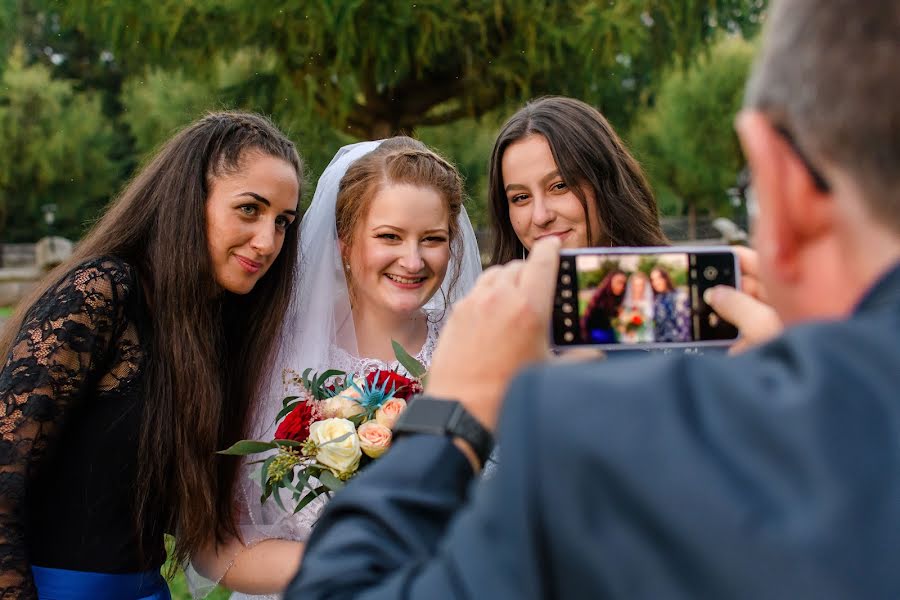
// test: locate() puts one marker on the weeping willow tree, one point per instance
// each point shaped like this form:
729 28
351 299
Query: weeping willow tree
370 68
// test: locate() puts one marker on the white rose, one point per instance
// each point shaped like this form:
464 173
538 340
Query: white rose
342 456
344 405
374 439
390 411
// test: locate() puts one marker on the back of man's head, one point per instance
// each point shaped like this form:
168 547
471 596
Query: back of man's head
829 75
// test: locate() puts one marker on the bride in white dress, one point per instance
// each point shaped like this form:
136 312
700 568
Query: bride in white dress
386 248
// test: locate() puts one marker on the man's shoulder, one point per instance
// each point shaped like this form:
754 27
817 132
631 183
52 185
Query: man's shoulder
804 355
811 376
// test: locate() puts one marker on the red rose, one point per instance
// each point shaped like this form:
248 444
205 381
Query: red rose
295 425
404 387
637 321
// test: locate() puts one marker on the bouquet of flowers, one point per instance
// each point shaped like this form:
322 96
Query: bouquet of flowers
635 323
339 423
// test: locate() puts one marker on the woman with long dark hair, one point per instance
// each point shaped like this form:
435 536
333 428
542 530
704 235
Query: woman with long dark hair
134 362
671 314
603 308
558 168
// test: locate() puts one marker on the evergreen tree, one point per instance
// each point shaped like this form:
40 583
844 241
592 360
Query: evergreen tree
687 142
57 148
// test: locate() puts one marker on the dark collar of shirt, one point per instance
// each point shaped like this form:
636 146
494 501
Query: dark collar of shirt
885 292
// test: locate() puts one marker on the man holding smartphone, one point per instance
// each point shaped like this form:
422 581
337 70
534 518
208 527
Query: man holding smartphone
772 474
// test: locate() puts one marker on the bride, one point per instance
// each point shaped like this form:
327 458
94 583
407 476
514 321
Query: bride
386 248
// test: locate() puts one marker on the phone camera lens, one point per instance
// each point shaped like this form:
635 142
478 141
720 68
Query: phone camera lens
567 322
710 273
569 336
566 279
567 308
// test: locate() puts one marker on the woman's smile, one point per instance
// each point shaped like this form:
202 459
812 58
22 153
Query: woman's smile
407 283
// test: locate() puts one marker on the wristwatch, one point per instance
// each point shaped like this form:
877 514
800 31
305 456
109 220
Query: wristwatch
437 416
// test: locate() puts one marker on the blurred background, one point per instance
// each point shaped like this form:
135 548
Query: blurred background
90 87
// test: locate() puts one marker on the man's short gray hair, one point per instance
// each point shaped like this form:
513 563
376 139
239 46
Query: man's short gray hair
829 74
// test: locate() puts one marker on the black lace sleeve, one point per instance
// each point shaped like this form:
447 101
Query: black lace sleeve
63 342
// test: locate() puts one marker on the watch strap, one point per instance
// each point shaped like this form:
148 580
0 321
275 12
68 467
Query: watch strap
437 416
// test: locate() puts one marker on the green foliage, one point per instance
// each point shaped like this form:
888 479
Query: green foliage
592 278
8 22
158 102
58 149
687 142
415 368
371 67
468 144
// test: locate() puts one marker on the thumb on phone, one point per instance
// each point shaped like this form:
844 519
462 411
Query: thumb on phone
757 322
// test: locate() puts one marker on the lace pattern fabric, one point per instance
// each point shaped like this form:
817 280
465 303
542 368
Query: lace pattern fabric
339 358
74 343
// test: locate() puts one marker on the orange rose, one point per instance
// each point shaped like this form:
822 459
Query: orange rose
374 439
390 411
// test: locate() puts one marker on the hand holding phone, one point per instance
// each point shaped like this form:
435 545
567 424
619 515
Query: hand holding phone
617 298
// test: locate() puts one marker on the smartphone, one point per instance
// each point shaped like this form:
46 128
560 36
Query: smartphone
642 298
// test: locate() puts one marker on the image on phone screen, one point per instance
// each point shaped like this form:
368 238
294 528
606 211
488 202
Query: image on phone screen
643 299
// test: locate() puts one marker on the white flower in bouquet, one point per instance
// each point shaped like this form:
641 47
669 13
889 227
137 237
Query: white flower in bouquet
390 411
374 439
337 443
344 405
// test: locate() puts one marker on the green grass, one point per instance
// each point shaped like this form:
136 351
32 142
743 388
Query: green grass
179 587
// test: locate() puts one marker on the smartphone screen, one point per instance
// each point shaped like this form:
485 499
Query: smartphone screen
642 297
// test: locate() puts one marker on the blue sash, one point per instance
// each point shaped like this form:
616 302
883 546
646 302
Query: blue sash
61 584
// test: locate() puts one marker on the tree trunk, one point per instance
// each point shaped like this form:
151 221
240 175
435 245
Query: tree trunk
381 129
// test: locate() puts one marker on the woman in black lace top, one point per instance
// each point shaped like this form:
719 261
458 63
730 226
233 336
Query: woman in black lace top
135 361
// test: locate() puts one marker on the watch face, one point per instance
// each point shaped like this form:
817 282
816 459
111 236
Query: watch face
443 417
427 415
433 411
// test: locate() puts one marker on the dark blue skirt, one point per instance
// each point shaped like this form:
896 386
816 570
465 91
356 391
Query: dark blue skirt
61 584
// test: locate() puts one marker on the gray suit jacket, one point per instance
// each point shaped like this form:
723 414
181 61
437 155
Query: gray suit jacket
771 475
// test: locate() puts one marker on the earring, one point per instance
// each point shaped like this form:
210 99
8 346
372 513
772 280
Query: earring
347 266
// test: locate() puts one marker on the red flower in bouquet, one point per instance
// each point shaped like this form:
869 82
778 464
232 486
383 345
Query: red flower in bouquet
403 387
295 426
637 321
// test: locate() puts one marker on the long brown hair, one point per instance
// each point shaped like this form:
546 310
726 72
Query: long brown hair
205 358
589 153
399 160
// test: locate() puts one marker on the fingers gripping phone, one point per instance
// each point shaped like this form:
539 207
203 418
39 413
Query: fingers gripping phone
619 298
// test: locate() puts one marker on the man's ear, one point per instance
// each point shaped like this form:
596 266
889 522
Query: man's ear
792 210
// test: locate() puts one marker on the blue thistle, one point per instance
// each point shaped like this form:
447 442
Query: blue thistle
373 396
